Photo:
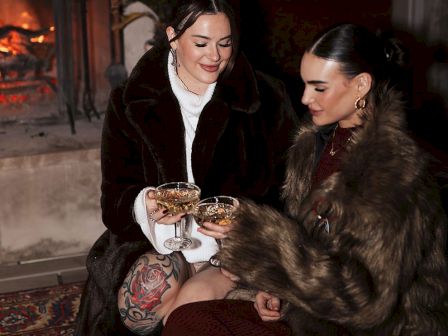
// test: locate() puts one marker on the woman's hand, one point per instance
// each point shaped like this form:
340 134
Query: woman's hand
155 214
267 306
214 230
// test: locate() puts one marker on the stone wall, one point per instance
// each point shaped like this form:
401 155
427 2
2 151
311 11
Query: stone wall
49 205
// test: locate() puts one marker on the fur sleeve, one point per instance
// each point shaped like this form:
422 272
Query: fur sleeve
271 252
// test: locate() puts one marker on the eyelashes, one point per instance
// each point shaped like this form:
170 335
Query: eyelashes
222 45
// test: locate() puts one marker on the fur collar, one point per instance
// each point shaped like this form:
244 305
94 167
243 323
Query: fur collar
149 81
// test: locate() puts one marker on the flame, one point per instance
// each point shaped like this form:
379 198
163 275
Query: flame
25 14
38 39
15 43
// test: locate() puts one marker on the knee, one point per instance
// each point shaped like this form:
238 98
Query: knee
147 291
192 292
210 284
201 290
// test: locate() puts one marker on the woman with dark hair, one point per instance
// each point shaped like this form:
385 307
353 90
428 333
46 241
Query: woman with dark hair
192 110
361 249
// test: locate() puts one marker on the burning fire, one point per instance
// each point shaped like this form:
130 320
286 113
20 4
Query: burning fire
16 41
41 38
26 54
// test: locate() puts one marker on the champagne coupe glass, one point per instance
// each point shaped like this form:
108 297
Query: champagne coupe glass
177 197
218 210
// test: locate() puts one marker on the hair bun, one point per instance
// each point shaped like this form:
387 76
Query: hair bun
395 51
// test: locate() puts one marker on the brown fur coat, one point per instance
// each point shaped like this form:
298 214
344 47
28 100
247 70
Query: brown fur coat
381 268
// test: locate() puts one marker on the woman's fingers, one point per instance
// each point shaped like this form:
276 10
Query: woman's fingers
150 201
159 215
267 306
273 304
170 219
151 194
214 230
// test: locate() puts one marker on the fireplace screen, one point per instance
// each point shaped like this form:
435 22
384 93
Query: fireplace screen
28 85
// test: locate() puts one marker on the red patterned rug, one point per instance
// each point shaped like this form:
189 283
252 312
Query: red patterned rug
45 311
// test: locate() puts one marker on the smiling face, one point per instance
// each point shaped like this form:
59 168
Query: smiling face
329 94
203 51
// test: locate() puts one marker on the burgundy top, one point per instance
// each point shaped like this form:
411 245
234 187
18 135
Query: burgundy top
221 318
328 164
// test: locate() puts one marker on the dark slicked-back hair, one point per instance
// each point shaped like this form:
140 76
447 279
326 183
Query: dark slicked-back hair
359 50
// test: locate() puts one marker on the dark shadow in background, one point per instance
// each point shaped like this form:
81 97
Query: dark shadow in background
256 31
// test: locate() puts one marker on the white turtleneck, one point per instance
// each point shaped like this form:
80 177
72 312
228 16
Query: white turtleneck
191 106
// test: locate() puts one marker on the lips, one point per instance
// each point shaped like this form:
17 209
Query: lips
315 112
210 68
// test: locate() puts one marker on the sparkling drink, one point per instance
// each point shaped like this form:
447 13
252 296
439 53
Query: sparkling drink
177 200
218 210
217 213
178 197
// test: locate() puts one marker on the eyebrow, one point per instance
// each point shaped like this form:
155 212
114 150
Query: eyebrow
316 82
208 38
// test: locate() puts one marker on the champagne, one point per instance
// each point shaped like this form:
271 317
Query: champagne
217 213
177 200
218 210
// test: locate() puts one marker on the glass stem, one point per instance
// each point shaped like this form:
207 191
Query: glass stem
179 229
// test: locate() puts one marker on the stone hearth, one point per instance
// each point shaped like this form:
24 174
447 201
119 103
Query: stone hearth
50 191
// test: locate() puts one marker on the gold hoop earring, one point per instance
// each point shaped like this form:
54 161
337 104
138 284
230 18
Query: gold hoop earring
360 103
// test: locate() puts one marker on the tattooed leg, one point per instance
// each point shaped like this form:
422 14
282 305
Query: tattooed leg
149 289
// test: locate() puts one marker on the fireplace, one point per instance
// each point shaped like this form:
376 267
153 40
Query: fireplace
53 59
